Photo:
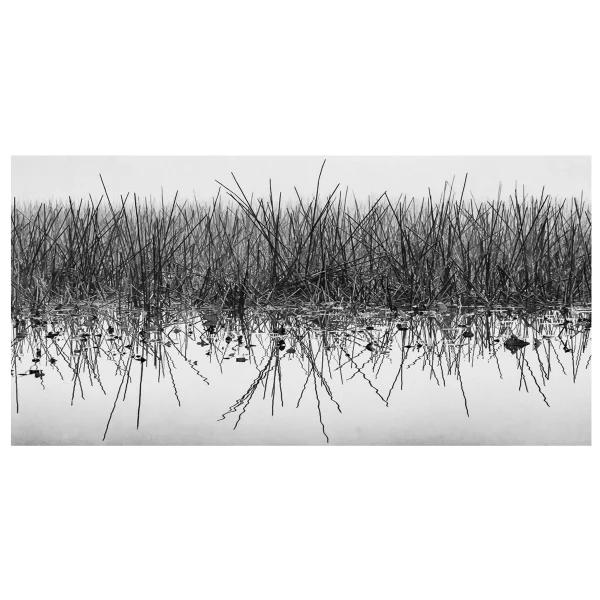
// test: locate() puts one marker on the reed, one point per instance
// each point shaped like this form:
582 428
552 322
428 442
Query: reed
237 251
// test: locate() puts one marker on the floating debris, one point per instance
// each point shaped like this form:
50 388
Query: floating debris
35 372
513 342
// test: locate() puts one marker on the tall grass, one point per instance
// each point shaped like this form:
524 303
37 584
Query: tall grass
237 250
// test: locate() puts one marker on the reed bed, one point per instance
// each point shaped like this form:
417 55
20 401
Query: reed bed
238 251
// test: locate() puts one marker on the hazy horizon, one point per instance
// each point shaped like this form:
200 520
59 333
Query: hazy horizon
41 178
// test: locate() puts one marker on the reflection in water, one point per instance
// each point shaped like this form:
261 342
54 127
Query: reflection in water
323 358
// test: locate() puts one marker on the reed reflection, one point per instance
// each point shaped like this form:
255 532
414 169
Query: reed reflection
330 344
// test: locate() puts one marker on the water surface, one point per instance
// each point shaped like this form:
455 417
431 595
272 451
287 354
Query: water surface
301 375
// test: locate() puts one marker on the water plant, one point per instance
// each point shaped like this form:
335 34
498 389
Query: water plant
237 250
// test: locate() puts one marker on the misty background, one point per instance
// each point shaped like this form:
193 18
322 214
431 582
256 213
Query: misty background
58 177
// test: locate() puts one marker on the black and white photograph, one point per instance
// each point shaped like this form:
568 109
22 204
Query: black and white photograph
304 301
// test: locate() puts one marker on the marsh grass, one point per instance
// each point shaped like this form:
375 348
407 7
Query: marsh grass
238 251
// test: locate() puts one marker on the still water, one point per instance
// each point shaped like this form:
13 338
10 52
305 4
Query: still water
324 374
